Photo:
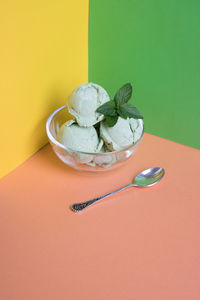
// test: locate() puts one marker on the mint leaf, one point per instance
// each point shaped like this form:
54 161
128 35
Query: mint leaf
123 94
128 110
111 121
107 109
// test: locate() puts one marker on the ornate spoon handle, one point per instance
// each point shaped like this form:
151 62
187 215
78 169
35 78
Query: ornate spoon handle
76 207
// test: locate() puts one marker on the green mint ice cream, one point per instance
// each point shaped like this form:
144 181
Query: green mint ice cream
81 137
84 139
122 135
84 101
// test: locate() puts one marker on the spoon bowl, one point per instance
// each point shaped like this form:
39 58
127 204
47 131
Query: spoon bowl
149 177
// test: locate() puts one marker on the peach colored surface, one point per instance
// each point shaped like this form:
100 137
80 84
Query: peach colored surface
139 244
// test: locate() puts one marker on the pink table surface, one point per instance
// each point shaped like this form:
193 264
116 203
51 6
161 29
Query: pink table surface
139 244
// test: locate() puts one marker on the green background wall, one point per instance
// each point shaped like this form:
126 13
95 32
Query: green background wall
155 45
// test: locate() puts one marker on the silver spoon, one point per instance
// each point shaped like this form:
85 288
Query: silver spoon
146 178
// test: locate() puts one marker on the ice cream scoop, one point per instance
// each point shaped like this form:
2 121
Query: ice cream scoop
122 135
84 139
84 101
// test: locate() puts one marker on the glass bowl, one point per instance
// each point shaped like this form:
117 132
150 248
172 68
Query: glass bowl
83 161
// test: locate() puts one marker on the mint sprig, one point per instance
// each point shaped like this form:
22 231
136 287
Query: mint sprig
119 107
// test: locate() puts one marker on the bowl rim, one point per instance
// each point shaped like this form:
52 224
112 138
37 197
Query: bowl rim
53 140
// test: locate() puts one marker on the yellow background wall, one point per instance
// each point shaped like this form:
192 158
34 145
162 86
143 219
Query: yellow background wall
43 56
